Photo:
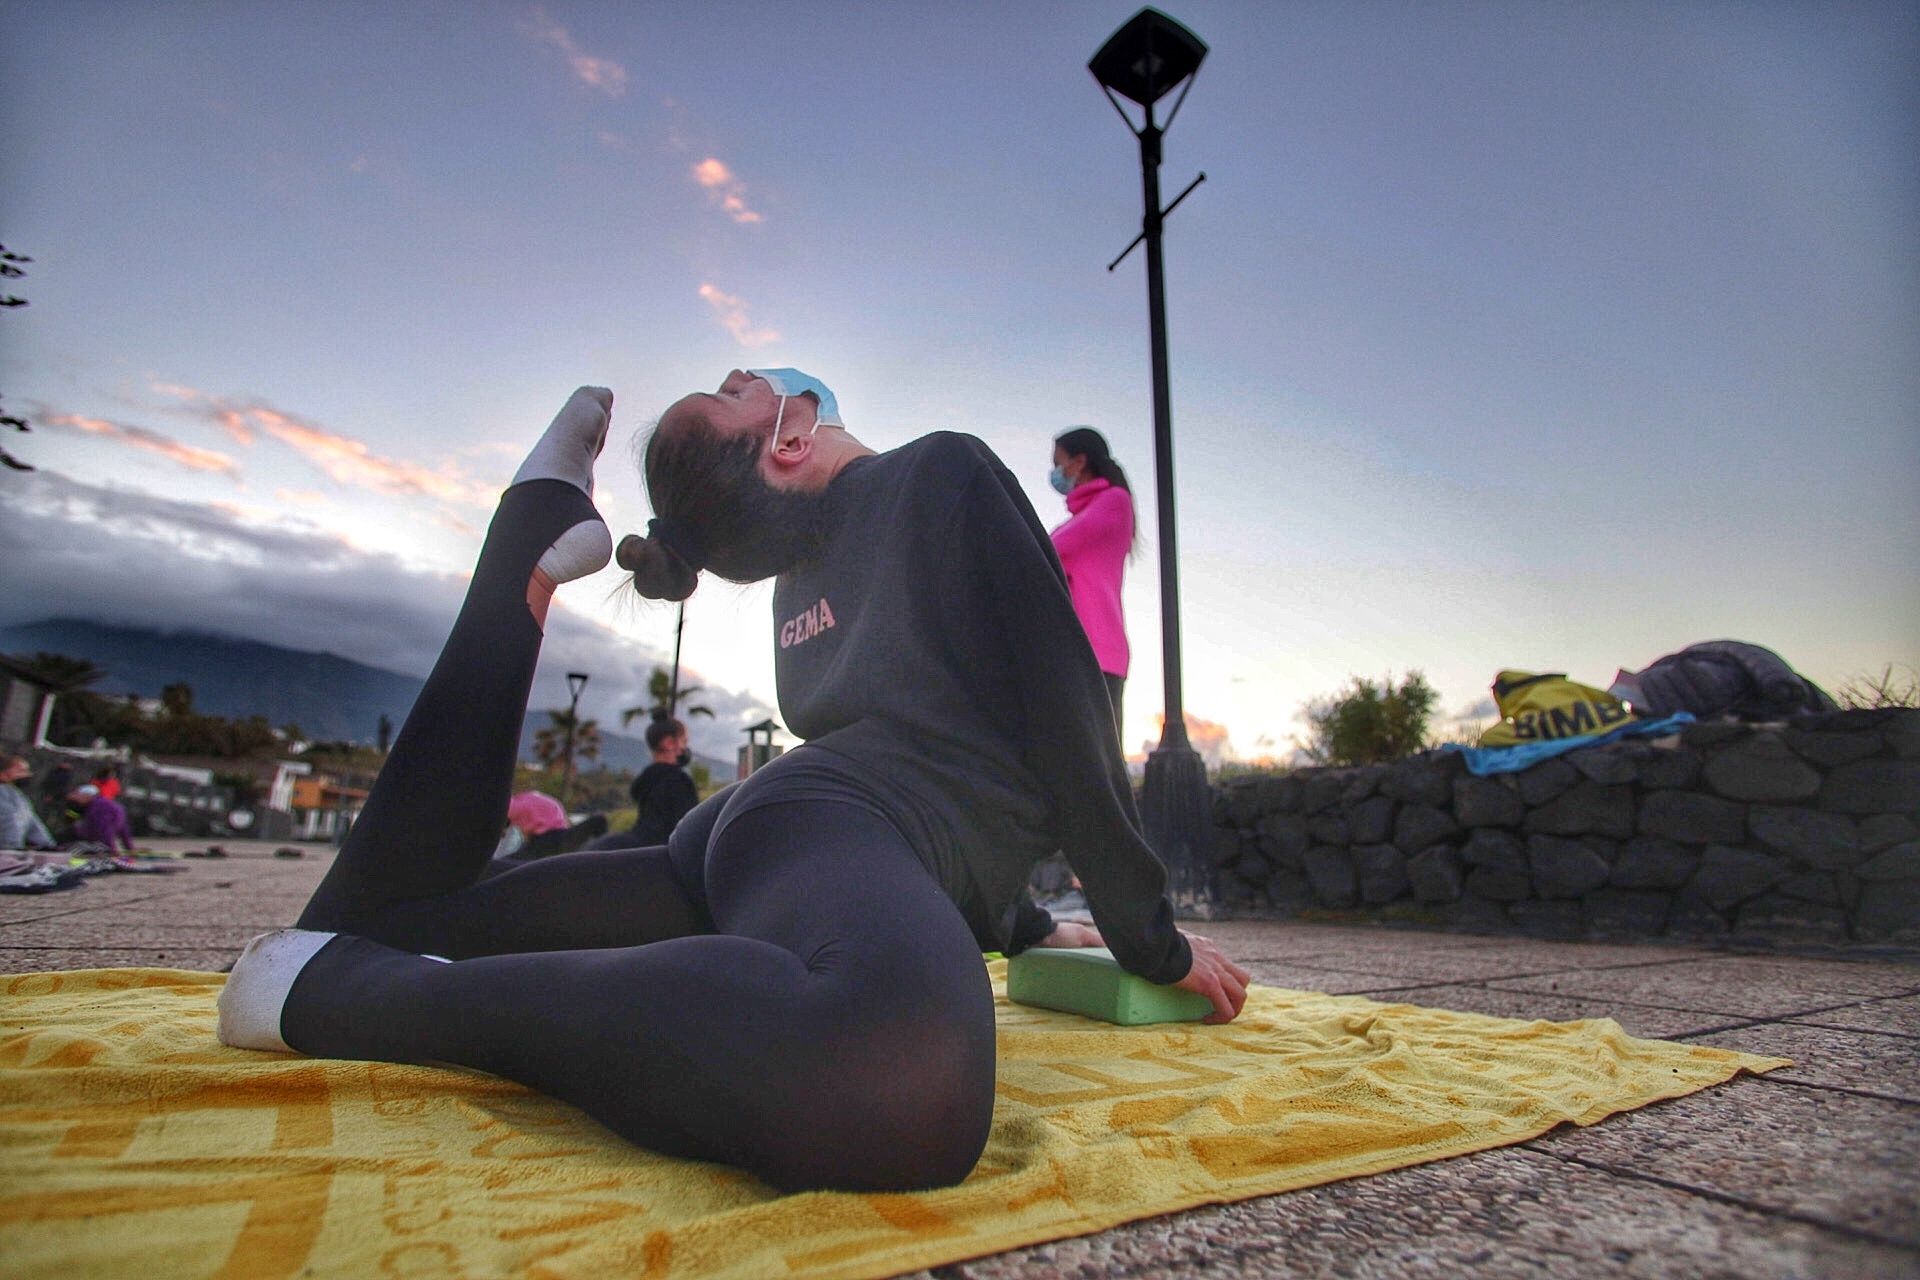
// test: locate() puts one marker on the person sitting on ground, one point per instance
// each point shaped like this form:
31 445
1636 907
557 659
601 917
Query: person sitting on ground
663 793
543 828
20 826
792 985
107 780
102 820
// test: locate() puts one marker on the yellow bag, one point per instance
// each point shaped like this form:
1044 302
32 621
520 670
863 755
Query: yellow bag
1546 707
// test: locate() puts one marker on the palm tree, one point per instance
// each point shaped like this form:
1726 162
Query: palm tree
9 269
550 740
66 675
661 700
71 680
177 699
566 739
586 740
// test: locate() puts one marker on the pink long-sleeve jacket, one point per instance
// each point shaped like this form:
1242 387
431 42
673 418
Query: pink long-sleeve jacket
1093 546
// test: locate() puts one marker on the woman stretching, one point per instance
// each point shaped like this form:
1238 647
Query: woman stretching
793 984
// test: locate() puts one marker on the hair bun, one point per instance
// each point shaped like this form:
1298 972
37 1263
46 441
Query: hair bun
658 572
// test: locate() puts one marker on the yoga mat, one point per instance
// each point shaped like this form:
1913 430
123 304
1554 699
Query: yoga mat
133 1144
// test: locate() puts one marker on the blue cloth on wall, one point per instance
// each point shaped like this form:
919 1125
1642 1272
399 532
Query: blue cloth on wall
1486 760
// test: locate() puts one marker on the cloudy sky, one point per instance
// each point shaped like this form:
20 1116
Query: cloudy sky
1503 334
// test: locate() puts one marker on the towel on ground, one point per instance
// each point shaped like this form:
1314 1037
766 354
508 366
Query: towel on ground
1484 761
132 1143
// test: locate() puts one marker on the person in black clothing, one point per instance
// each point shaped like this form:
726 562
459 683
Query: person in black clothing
793 984
663 793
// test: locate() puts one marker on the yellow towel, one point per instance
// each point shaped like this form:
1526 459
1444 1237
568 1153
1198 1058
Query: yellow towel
133 1144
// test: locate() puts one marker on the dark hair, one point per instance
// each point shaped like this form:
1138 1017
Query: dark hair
662 728
1085 442
715 511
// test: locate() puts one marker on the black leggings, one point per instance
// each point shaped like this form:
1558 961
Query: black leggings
795 995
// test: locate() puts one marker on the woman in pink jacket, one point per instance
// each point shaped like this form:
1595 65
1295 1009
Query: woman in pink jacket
1093 546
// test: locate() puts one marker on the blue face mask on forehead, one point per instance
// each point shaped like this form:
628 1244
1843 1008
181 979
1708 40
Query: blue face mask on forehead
787 383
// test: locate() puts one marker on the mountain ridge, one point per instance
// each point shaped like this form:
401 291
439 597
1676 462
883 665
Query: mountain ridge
330 697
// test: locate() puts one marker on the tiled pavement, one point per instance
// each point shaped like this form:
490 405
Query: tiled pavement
1810 1171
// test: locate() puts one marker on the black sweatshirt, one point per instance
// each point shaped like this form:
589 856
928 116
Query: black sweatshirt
662 795
932 646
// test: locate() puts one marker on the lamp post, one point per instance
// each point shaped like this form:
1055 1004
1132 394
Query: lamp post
1147 58
673 683
576 683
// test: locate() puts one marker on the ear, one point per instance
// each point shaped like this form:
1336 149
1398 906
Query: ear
791 451
794 448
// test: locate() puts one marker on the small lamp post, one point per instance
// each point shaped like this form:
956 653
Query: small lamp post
576 683
1143 61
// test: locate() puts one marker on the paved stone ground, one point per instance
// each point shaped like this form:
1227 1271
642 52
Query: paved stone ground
1807 1172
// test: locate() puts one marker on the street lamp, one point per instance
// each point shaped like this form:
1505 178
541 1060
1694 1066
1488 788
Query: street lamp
576 682
1143 61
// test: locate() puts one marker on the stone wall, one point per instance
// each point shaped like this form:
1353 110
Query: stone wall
1807 831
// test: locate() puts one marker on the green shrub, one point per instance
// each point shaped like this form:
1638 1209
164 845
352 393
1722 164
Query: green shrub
1368 723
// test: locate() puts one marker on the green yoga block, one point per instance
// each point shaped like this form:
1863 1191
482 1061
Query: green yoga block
1087 980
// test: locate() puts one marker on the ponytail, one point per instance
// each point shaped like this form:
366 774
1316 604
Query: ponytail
659 572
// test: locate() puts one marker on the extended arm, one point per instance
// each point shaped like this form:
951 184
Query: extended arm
1067 724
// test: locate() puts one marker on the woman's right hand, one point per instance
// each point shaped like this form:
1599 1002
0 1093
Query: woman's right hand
1215 977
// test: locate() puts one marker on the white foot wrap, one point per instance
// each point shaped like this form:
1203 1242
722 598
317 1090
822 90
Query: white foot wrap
586 548
256 990
572 442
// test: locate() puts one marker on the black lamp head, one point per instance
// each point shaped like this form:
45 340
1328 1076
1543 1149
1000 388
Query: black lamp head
1147 57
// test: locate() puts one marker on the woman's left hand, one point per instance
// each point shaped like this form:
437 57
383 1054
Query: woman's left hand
1071 933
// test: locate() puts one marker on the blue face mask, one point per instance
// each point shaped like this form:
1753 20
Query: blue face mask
787 383
1058 479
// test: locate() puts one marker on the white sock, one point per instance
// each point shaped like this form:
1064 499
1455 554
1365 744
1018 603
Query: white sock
256 990
572 442
567 452
586 548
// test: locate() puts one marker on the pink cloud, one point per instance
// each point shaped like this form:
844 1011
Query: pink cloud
1208 738
726 189
189 456
341 457
228 420
604 74
732 312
